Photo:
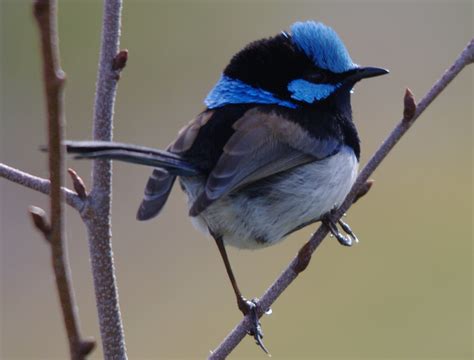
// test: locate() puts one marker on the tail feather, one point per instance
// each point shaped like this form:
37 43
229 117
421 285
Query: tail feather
160 183
173 163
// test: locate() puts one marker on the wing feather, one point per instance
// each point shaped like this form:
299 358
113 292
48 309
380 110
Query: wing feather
160 182
157 190
263 144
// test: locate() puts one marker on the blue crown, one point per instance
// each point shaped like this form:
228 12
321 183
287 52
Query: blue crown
322 44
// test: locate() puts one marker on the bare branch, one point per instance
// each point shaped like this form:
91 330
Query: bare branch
96 215
39 184
299 263
53 78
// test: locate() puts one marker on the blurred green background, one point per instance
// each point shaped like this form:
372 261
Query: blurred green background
405 292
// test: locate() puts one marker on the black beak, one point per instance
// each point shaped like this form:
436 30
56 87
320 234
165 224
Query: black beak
363 73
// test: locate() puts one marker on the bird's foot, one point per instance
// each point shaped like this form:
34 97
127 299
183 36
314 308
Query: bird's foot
347 229
348 240
251 307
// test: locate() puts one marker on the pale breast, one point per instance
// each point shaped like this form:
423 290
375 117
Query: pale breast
263 213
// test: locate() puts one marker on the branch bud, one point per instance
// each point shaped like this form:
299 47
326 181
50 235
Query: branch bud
409 105
40 221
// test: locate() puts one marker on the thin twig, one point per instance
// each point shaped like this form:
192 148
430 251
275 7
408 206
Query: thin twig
39 184
96 215
299 263
53 79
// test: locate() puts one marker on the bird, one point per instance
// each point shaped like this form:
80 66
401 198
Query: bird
274 150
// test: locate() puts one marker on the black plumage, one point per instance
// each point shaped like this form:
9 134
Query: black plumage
275 150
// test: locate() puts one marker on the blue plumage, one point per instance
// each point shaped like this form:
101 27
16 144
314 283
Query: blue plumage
254 174
322 45
306 91
231 91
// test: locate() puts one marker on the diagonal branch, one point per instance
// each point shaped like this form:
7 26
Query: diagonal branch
53 79
39 184
299 263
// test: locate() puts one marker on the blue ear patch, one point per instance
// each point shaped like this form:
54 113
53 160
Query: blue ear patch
322 45
233 91
306 91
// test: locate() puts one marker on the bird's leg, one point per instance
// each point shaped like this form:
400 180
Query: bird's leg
245 306
331 225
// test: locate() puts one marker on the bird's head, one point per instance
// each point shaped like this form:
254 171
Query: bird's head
308 65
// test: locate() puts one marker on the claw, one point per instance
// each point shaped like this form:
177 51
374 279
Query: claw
347 229
334 231
349 240
250 306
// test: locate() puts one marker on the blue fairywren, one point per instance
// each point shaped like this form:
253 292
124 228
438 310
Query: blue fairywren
274 150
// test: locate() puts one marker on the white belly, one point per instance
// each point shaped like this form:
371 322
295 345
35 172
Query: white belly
262 214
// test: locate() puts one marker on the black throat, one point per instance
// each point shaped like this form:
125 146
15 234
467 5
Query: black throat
331 117
328 119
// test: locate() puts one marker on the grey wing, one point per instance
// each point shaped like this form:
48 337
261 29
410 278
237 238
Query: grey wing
160 182
263 144
157 191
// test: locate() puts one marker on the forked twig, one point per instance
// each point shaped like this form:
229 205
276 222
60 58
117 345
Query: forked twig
94 207
39 184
